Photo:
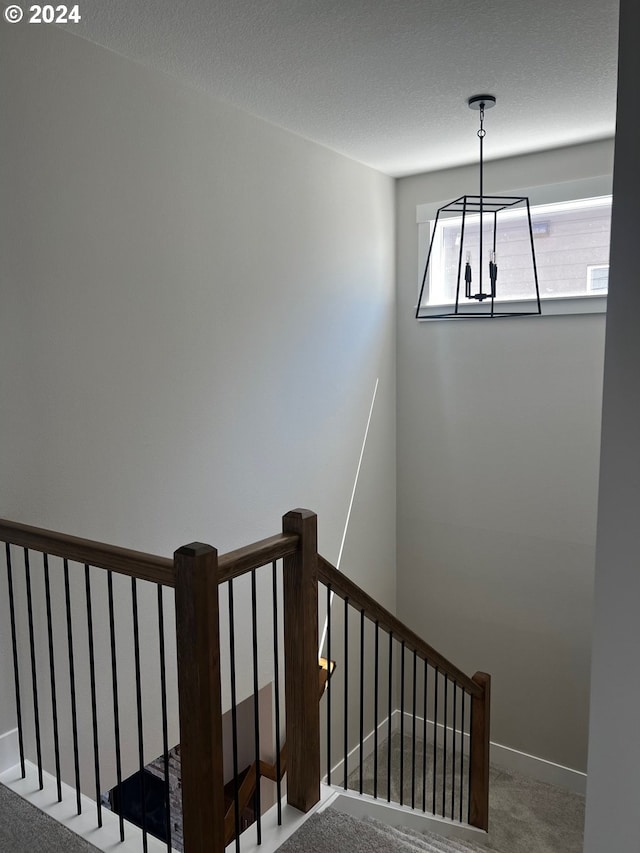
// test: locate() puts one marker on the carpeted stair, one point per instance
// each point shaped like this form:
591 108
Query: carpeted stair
333 831
411 840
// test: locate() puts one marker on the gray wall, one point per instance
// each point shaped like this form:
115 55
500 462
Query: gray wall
614 747
498 440
196 306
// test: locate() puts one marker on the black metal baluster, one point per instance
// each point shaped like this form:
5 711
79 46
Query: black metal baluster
114 693
34 677
256 708
165 724
346 687
469 767
424 740
234 716
52 673
361 695
375 712
136 648
389 716
72 686
16 671
413 735
444 747
94 704
453 757
402 723
462 752
276 677
435 738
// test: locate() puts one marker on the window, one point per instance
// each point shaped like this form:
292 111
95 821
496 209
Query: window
598 278
571 240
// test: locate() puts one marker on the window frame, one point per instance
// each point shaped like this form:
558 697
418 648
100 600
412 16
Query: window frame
589 303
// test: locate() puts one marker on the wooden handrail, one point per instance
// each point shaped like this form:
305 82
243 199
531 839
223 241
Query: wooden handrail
139 564
346 588
135 564
236 563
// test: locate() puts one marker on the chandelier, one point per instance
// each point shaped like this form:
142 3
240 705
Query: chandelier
472 238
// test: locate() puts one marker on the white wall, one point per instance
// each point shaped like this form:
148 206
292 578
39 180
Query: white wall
498 437
196 306
614 747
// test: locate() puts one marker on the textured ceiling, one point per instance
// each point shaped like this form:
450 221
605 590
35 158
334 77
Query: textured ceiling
386 82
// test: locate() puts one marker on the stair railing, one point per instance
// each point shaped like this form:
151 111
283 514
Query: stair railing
439 704
80 612
202 581
206 580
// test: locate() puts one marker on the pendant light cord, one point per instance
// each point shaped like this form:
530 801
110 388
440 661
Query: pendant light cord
481 135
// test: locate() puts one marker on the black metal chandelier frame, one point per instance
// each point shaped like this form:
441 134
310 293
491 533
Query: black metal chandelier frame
480 205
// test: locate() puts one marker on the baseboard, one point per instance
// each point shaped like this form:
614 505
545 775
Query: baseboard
538 768
9 750
507 758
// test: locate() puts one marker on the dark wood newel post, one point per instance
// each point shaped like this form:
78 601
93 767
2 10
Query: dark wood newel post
198 642
301 661
479 753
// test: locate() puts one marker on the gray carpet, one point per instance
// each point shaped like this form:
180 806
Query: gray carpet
25 829
525 816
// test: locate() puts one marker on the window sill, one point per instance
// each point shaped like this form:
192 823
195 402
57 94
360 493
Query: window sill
551 306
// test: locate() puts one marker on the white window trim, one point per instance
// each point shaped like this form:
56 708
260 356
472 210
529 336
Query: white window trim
548 194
